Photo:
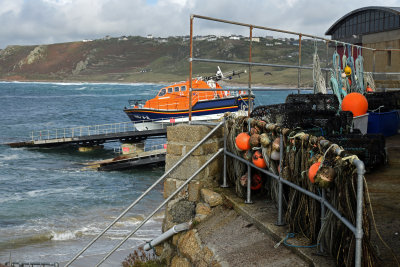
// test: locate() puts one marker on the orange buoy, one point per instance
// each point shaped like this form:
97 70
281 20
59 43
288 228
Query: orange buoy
313 171
258 160
243 141
369 89
356 103
256 182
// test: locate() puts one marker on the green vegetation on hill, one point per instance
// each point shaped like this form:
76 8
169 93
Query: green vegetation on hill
139 59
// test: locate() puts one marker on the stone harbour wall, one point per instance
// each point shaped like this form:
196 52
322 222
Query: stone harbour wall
197 200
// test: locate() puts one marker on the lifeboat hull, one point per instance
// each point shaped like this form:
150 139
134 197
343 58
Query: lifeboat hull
201 108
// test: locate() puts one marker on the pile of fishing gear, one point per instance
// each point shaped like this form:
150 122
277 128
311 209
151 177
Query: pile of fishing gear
384 101
308 161
318 115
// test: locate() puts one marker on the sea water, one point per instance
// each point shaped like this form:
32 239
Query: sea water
50 207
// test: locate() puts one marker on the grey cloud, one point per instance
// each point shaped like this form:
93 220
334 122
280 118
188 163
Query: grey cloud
43 21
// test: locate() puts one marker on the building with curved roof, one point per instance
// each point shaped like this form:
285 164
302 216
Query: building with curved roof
375 27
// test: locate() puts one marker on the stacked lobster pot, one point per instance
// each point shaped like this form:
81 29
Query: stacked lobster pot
320 115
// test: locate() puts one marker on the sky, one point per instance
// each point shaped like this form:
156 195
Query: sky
33 22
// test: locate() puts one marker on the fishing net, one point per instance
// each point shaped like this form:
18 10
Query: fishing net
336 177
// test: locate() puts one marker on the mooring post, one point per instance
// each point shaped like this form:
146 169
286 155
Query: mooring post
224 184
280 186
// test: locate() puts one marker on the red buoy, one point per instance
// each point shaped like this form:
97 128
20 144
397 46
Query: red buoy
258 160
256 182
243 141
313 171
356 103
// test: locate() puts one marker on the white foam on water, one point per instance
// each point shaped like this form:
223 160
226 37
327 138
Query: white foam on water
64 191
63 236
10 157
41 192
15 198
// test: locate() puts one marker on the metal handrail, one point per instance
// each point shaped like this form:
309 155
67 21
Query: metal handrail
356 229
249 63
145 193
161 205
91 130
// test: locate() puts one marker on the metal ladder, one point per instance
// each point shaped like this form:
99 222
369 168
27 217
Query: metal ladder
146 192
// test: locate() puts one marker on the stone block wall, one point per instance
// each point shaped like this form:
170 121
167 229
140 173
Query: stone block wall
196 201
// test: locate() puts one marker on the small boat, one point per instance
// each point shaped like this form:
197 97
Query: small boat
171 104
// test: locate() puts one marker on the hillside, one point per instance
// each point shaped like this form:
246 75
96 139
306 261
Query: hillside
139 59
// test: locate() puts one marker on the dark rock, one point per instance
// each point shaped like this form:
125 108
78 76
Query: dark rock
183 211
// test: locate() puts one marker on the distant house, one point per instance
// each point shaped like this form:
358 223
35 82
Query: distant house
123 38
107 37
200 38
254 39
269 38
268 44
211 38
149 36
162 40
86 40
234 37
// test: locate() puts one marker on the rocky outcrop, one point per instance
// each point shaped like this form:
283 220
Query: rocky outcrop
80 66
38 53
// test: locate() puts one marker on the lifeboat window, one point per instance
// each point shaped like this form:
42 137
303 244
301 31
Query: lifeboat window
162 92
176 89
170 90
183 88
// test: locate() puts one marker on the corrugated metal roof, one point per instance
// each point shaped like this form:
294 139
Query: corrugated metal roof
395 10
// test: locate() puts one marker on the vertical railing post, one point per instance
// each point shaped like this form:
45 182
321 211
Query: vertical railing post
299 70
373 60
224 184
321 248
248 199
280 185
327 63
190 67
359 212
250 60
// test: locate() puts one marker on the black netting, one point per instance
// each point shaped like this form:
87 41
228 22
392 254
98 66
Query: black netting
370 148
383 101
316 101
